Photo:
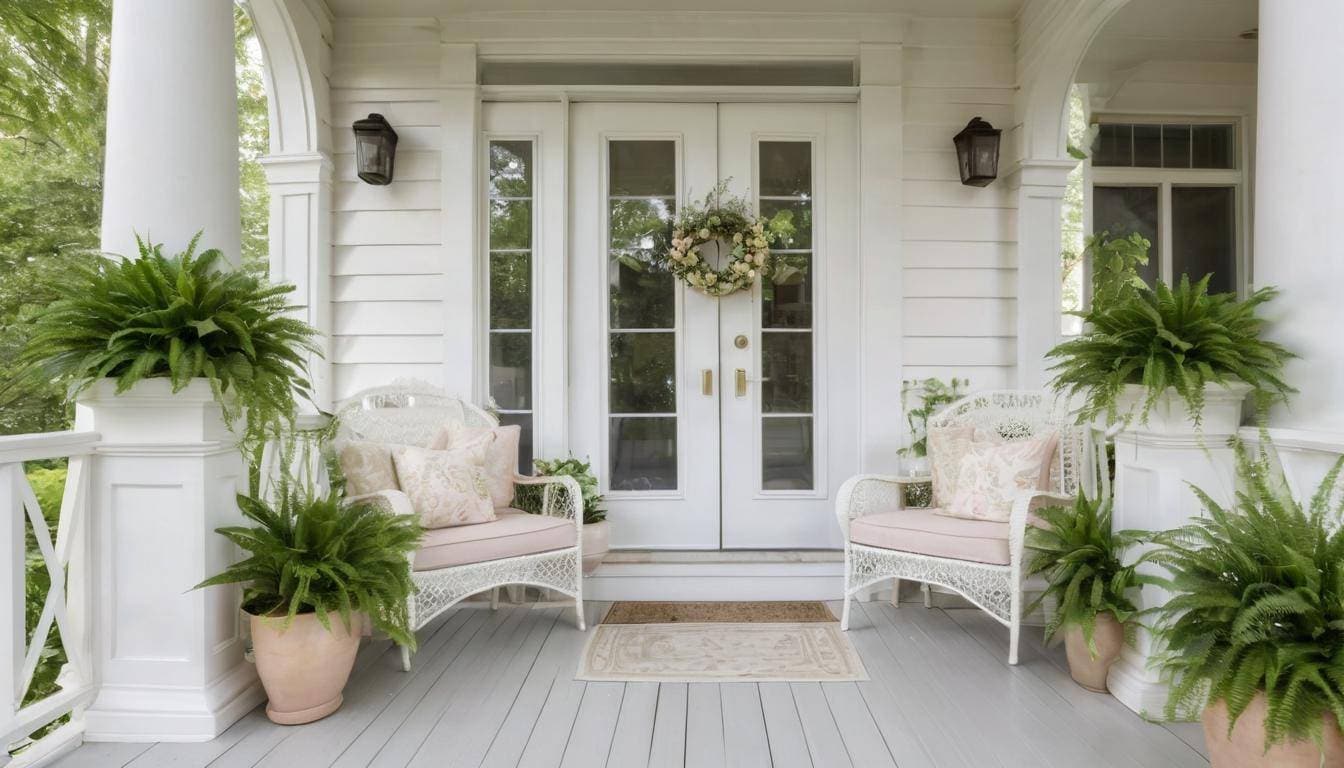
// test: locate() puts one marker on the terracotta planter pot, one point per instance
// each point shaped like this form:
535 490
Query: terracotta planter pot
1245 747
596 538
304 667
1089 672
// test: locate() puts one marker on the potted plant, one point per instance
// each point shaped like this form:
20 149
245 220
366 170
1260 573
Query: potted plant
596 536
1173 357
185 320
316 565
1087 583
932 395
1254 632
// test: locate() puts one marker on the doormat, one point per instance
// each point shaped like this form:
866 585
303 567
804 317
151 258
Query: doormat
775 612
720 642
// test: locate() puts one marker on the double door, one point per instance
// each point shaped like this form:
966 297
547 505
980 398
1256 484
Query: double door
714 422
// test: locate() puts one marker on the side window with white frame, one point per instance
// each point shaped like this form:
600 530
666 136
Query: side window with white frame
509 278
1180 184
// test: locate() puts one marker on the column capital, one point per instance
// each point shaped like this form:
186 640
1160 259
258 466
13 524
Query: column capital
1041 177
298 168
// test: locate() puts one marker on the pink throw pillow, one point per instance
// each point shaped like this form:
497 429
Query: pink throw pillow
446 488
501 454
992 474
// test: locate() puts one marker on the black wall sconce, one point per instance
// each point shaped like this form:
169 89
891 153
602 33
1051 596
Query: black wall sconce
375 149
978 153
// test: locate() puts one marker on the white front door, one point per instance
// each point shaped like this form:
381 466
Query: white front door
714 423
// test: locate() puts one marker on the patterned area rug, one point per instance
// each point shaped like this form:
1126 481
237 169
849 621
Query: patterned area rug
725 643
729 612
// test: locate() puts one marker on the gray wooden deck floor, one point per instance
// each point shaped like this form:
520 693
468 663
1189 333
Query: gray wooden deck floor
497 689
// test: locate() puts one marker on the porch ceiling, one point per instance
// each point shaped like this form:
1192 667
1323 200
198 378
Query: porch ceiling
1162 30
1004 9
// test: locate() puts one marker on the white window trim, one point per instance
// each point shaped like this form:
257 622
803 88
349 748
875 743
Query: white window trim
1165 179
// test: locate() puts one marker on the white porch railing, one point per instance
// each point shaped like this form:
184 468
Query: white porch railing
65 607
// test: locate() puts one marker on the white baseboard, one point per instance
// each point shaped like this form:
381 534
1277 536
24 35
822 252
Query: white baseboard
717 576
167 713
1136 686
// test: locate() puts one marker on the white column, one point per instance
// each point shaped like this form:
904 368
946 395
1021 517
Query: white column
1298 201
1040 188
172 126
168 659
881 255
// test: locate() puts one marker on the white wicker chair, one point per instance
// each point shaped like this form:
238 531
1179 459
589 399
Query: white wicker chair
995 588
412 413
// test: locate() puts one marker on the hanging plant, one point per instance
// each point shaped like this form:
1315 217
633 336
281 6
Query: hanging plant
722 218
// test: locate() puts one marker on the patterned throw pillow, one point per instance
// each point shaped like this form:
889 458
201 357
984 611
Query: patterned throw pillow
992 474
946 447
446 488
368 468
501 454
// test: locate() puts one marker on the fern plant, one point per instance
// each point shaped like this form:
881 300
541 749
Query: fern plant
582 471
1258 603
177 317
314 553
1080 557
1161 338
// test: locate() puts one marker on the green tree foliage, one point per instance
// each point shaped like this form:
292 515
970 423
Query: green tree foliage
53 99
1258 603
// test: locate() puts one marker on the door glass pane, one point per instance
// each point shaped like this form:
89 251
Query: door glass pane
525 452
642 367
509 267
786 168
1122 210
1212 146
511 289
643 168
1203 235
511 370
1175 146
786 294
785 362
511 169
798 211
786 372
643 373
786 453
643 453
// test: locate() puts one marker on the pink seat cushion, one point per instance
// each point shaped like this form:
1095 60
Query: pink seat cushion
926 532
511 534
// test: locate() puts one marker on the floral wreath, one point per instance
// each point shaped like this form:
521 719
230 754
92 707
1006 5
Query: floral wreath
716 219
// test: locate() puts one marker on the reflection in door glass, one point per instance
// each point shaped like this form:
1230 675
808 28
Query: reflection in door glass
641 300
509 210
787 456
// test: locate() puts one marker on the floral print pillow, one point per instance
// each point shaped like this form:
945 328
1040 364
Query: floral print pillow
992 474
368 468
946 447
446 488
501 454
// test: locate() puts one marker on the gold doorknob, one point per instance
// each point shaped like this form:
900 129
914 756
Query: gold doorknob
740 382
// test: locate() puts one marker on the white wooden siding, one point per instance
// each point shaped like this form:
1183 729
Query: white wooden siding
959 250
387 242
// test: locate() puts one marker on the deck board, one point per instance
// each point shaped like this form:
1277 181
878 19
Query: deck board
497 689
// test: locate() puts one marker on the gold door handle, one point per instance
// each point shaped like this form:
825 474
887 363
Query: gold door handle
707 381
740 381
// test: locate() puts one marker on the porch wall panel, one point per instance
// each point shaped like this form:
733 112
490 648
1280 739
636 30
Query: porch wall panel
959 252
387 242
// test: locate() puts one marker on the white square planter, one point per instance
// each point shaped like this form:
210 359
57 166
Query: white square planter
168 659
1170 417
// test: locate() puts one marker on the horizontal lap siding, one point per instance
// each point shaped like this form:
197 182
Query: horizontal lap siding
960 255
387 242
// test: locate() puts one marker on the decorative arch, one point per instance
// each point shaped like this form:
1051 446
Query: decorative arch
290 75
1052 53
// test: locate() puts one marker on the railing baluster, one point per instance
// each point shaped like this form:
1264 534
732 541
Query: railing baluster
12 587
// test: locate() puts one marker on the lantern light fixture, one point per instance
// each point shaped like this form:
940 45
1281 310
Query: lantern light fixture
375 149
978 152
